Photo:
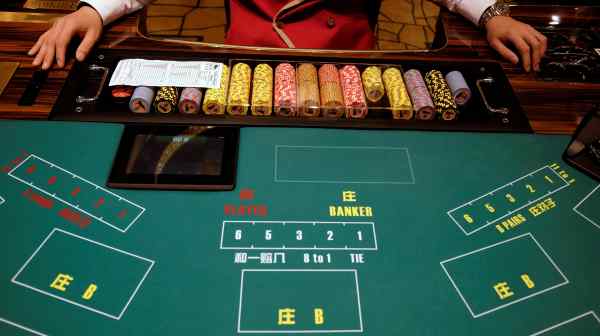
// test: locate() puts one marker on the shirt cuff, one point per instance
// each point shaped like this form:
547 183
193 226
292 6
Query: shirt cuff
473 9
109 10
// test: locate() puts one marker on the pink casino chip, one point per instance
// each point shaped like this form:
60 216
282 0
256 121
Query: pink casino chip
352 89
285 90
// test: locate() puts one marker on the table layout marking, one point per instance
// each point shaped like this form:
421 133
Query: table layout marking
510 212
575 208
565 282
359 307
558 325
16 325
412 174
15 281
315 224
96 187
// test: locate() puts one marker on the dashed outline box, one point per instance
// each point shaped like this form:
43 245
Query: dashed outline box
22 327
240 331
76 207
408 159
558 325
575 208
468 233
473 314
314 247
15 281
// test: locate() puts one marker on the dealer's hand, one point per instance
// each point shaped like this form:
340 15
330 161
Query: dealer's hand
531 44
85 22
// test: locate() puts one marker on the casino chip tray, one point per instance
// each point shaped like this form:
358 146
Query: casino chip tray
302 91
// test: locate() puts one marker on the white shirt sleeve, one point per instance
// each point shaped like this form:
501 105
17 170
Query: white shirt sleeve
111 10
470 9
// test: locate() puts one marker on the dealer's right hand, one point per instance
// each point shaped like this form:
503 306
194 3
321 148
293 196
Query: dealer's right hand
52 45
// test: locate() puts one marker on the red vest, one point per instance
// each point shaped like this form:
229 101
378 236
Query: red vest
317 24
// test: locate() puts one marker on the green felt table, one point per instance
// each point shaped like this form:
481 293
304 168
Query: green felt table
327 232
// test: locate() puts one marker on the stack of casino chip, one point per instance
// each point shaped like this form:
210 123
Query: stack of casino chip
442 95
308 90
458 85
141 99
239 89
398 96
166 99
214 99
121 93
332 100
352 89
262 90
421 99
374 89
190 100
285 90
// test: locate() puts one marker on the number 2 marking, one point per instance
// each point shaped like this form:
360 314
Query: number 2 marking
329 235
530 188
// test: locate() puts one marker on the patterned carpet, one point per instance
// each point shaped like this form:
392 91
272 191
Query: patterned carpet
403 24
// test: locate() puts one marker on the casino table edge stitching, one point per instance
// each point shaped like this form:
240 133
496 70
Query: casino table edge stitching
97 311
489 311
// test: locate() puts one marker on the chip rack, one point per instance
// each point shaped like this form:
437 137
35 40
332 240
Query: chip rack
493 107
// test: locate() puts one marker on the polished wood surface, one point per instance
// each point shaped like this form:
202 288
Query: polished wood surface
552 107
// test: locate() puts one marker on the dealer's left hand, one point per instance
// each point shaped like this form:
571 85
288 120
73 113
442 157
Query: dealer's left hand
530 44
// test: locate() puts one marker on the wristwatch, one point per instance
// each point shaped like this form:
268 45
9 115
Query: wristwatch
500 8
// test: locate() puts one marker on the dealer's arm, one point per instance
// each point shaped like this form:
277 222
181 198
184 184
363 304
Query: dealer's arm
88 21
502 30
